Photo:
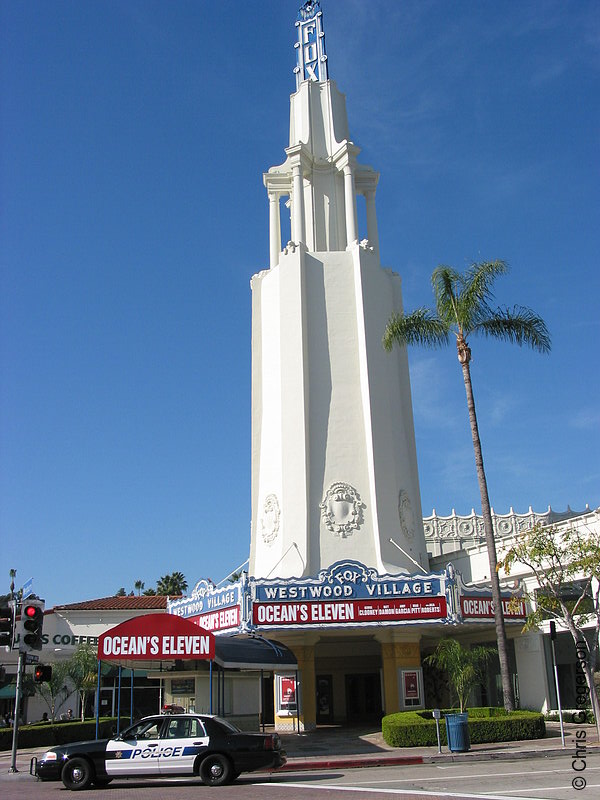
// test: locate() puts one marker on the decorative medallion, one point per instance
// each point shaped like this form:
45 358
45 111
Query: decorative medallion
269 522
342 509
405 512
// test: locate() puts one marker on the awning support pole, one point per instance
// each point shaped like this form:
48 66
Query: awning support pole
262 700
210 689
119 701
222 691
131 703
297 701
98 701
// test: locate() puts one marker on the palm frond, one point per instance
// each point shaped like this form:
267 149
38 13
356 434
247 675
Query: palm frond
421 327
519 325
446 285
476 291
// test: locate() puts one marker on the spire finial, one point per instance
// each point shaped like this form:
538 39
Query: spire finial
310 47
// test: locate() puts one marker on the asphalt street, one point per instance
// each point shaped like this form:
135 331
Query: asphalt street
536 778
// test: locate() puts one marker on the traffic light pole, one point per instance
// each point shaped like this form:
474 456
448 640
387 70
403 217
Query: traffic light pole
18 692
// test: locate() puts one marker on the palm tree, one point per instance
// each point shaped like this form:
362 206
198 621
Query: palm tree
139 585
462 308
82 670
54 691
463 666
173 585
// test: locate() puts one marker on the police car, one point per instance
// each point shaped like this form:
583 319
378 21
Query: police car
178 744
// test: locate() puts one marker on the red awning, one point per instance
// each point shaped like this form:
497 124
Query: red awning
156 637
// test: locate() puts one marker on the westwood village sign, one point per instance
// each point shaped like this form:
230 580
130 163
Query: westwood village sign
349 592
216 610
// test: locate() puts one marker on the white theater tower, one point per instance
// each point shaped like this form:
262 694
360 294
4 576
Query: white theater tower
334 468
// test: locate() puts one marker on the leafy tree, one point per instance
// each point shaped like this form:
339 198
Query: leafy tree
82 670
121 592
566 565
139 585
173 585
462 309
54 691
149 591
463 667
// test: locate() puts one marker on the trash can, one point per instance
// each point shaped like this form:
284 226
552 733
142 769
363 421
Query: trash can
457 731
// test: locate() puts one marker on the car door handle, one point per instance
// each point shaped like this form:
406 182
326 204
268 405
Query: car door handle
199 743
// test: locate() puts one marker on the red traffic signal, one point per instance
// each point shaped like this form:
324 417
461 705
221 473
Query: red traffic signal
32 623
42 673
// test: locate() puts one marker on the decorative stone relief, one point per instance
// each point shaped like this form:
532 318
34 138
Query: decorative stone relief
405 512
342 509
472 527
269 521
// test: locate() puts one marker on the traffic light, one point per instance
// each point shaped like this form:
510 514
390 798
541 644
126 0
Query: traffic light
42 673
7 624
32 623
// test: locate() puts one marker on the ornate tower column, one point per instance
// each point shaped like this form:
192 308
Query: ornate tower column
334 468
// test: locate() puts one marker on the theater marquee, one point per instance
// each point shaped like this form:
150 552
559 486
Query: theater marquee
349 593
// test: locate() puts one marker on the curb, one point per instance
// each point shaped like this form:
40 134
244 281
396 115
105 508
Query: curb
354 762
351 762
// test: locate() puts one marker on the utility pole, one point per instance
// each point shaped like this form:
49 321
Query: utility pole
18 692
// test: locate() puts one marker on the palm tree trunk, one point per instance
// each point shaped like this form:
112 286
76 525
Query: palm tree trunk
464 356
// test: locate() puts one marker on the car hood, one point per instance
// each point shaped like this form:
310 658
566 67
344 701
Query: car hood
77 747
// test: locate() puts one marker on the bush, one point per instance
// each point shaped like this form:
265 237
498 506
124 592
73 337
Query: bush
51 735
417 728
572 715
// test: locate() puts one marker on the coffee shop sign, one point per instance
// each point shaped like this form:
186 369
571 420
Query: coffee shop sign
64 640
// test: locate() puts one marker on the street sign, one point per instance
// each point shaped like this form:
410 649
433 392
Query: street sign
30 659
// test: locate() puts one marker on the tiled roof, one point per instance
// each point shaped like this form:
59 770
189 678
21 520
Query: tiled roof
127 602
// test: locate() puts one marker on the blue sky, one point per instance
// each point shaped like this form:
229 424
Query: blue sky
133 215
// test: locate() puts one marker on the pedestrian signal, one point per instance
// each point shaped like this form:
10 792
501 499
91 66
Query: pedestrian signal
42 673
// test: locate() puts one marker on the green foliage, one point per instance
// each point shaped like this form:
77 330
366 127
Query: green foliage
417 728
560 559
82 670
51 735
173 585
54 691
463 666
462 307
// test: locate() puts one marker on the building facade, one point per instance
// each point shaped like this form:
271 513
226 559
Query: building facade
343 569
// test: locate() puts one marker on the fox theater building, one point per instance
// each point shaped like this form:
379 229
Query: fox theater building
343 569
348 587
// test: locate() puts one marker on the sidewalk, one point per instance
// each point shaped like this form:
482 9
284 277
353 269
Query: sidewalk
333 747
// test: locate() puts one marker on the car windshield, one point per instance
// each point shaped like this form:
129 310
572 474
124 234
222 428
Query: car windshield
146 729
227 725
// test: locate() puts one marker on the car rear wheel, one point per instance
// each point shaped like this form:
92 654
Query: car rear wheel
216 770
77 774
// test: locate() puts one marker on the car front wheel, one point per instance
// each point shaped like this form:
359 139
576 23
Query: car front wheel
216 770
77 774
